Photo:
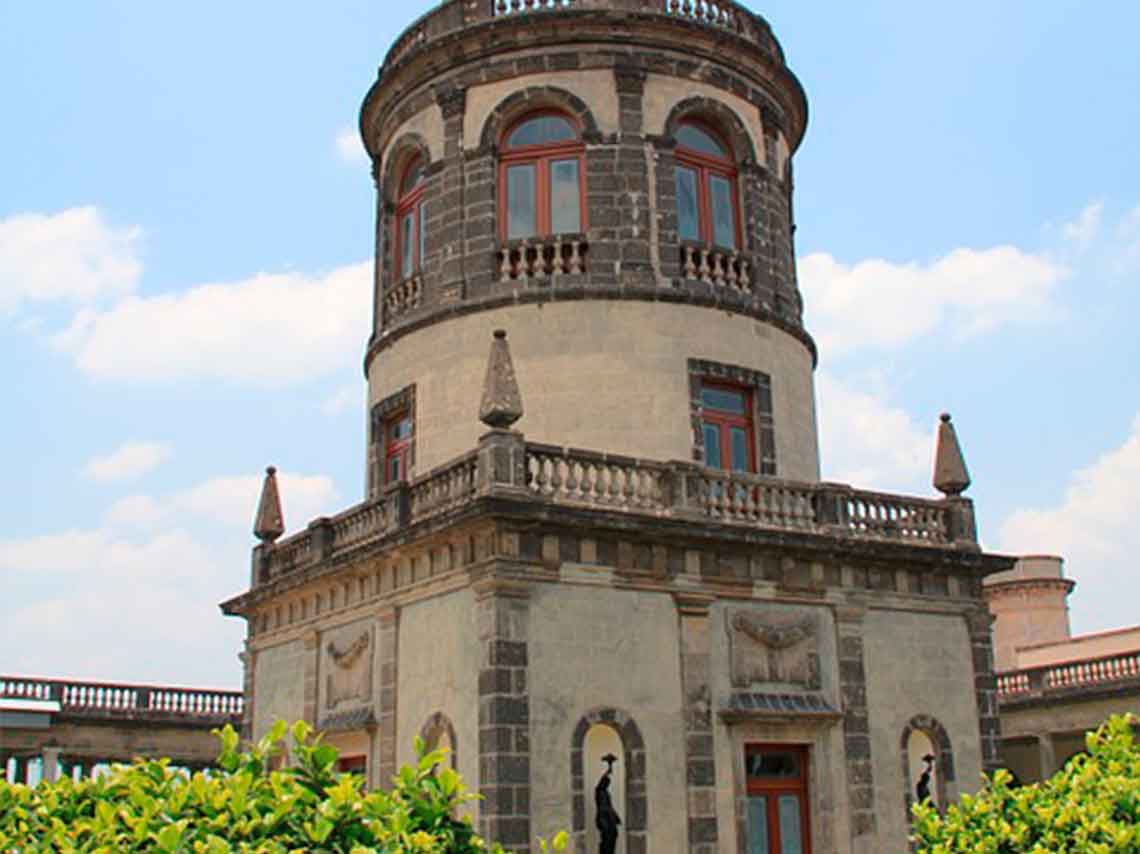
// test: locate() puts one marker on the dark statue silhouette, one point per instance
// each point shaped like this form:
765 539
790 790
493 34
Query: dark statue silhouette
607 819
922 790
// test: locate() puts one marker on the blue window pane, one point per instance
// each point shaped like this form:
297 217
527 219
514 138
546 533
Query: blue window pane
565 197
723 400
691 136
739 442
521 201
758 825
712 446
791 830
423 232
688 217
542 130
723 213
407 245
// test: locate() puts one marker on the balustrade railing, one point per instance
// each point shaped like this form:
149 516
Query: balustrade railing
403 297
1069 676
502 8
542 259
99 698
723 267
613 482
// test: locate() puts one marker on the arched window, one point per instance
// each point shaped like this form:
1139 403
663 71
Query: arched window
541 190
707 206
410 220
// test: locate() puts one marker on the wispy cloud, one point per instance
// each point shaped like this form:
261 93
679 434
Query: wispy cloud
1082 231
128 461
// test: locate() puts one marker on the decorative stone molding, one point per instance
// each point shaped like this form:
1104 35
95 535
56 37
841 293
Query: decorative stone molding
766 650
763 422
537 98
720 116
350 677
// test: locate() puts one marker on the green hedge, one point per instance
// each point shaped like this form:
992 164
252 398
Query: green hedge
245 807
1092 806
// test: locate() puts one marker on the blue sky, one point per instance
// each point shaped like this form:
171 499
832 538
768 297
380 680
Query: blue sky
185 228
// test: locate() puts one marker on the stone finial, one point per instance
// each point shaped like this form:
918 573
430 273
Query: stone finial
270 521
950 474
502 404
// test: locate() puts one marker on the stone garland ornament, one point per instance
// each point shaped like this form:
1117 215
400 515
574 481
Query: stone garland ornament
765 651
347 681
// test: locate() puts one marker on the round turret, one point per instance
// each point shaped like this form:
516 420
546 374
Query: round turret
610 182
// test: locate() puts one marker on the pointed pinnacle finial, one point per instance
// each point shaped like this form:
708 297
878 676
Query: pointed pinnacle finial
502 404
950 474
270 522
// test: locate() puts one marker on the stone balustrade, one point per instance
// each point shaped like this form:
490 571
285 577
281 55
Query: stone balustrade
548 474
403 297
725 268
1069 676
542 259
455 15
110 700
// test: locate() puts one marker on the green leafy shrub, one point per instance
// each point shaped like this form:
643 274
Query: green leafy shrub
246 807
1092 806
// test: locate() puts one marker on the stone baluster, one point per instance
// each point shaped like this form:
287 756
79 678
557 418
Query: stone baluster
703 271
689 267
556 258
575 257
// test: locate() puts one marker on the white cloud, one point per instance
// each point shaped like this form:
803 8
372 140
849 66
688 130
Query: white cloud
349 146
1128 235
1082 231
130 460
1094 528
269 330
882 304
343 400
135 511
72 256
869 442
233 500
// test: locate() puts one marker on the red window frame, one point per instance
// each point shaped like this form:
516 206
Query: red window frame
706 165
409 201
542 156
397 450
355 764
773 788
724 421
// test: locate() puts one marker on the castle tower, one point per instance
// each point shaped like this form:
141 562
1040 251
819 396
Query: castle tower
1030 606
594 525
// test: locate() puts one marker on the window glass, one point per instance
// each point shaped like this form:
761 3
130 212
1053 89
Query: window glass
693 137
521 201
393 469
688 217
723 399
723 215
758 825
542 130
712 446
565 198
422 233
739 441
407 246
791 832
400 429
773 763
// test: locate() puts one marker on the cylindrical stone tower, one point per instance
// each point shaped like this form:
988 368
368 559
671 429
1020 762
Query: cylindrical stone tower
1030 606
610 181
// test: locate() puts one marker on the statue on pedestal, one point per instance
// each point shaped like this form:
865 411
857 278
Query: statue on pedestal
607 819
922 790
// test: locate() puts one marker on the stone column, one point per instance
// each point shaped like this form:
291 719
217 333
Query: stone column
446 225
50 758
979 622
635 227
248 669
309 677
1047 755
856 725
387 642
700 758
504 712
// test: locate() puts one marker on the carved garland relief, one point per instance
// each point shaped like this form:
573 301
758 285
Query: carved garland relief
350 674
772 650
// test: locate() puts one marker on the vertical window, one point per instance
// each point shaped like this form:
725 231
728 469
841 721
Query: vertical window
397 446
410 220
540 179
777 802
706 189
726 422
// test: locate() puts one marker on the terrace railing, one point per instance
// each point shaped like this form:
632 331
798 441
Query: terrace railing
505 465
1069 676
105 699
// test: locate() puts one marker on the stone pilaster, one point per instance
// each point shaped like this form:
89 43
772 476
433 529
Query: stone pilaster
248 675
310 675
700 758
1047 755
448 206
50 759
388 644
856 722
979 622
632 178
504 713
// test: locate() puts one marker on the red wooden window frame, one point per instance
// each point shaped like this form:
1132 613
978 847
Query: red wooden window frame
724 421
397 449
773 788
706 165
409 200
355 764
542 156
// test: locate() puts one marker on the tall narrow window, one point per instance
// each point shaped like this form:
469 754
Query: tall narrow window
410 221
726 421
777 803
397 446
706 189
540 179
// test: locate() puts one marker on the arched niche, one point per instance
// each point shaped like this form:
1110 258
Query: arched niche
926 736
598 733
438 733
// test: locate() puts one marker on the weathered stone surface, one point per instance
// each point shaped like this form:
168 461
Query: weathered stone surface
950 474
269 524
